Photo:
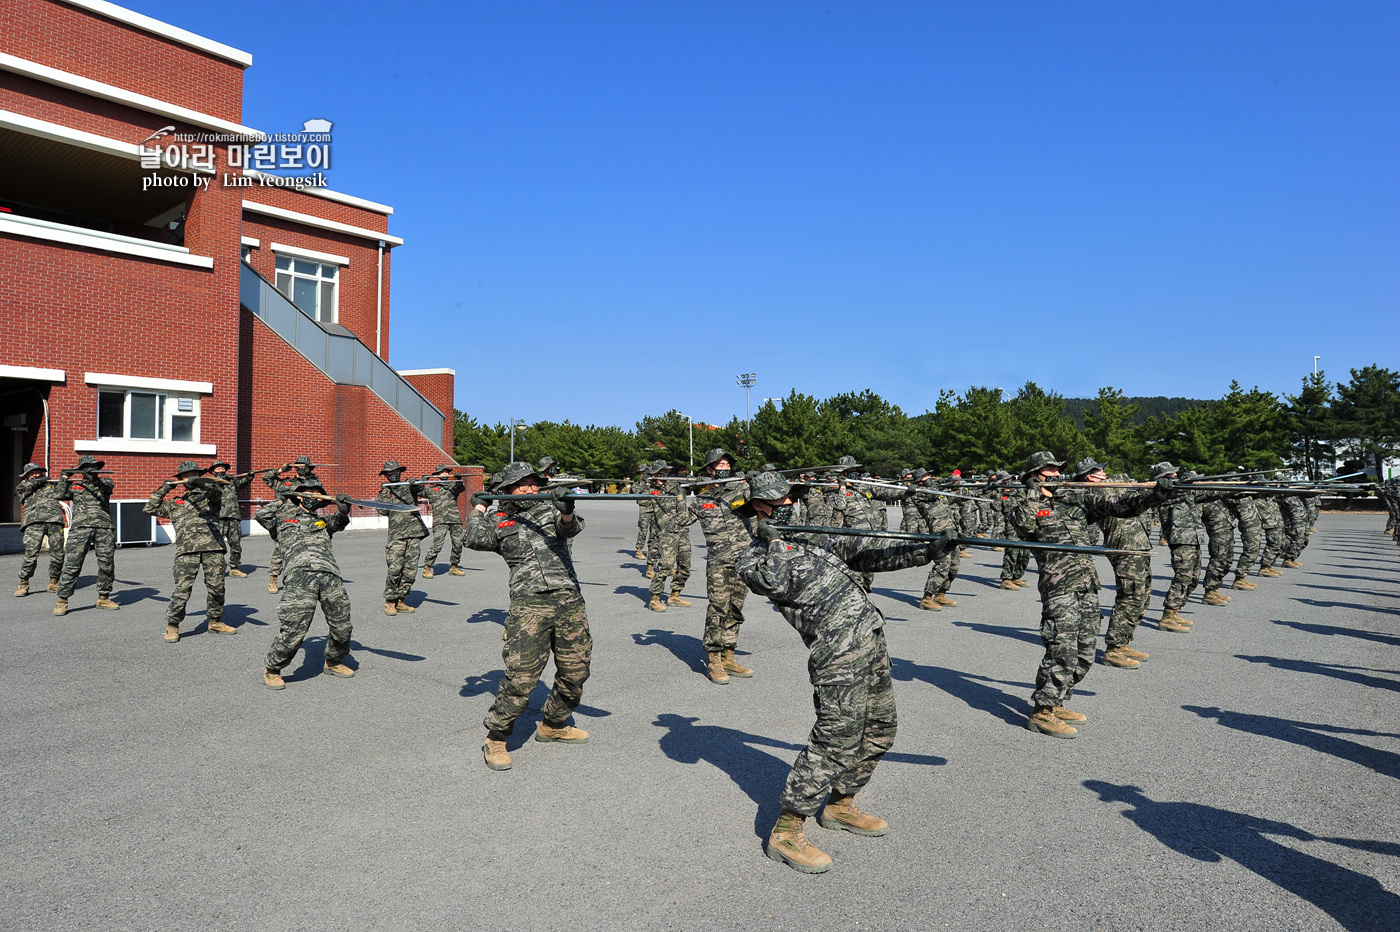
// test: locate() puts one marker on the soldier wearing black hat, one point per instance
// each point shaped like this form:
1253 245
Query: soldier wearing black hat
442 491
91 528
199 545
230 518
406 529
43 517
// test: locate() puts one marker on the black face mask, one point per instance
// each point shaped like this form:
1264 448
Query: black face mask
723 473
782 514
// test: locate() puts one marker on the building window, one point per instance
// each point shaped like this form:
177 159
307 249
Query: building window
310 285
246 252
138 415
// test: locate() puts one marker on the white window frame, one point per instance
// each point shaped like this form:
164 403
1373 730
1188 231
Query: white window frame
169 392
316 313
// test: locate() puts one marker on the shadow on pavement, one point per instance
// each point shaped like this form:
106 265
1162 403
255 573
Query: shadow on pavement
1357 902
313 661
1334 670
489 683
495 616
1347 632
759 774
642 593
898 595
1006 631
238 615
1311 735
1355 606
688 649
139 594
968 687
384 652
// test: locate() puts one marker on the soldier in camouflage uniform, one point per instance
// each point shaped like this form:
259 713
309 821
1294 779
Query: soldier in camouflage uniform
1274 540
199 545
90 528
42 517
936 515
1014 560
670 551
1132 575
230 515
816 586
546 608
646 512
406 529
1295 528
1181 527
727 535
280 481
1220 539
1246 515
442 491
1069 583
312 577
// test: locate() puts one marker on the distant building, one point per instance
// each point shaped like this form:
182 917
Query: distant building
148 309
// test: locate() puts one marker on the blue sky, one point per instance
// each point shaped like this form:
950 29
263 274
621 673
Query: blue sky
611 209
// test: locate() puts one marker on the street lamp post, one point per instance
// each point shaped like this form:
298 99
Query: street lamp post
690 425
747 380
1315 359
514 426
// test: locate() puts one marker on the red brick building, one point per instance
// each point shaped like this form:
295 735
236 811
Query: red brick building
159 309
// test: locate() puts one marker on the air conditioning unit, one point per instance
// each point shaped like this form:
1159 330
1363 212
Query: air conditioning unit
134 526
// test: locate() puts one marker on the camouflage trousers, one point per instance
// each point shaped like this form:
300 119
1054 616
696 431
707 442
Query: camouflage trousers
855 728
725 612
102 540
1221 549
233 536
643 529
1295 532
302 591
34 535
187 567
536 626
402 559
1014 562
670 556
274 566
1251 539
968 519
441 534
1186 573
1274 542
1069 629
942 572
1132 574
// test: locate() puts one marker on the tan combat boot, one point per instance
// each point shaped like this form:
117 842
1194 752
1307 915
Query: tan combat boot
22 589
787 845
404 608
1269 571
1171 621
455 570
237 572
639 555
676 599
651 571
942 599
427 572
1021 583
714 669
1117 657
1213 597
61 608
104 602
1242 583
1132 652
53 585
172 634
998 549
496 755
840 814
734 667
272 582
1068 715
1043 720
218 627
273 680
1292 564
390 608
656 605
929 604
568 734
339 669
1010 584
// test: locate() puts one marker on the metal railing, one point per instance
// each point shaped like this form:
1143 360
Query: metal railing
337 352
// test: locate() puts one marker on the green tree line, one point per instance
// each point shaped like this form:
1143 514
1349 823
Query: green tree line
984 428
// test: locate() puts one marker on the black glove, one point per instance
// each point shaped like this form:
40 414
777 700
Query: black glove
565 506
1165 484
944 540
479 498
767 532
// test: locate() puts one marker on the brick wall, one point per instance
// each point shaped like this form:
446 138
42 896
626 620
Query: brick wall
438 387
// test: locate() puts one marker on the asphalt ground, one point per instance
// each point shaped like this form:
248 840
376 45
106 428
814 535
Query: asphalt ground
1243 778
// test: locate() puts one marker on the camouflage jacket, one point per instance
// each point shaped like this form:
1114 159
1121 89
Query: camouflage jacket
823 507
726 528
228 500
672 515
305 537
443 497
1216 518
532 541
937 513
1063 518
1181 516
39 498
91 497
1130 533
865 507
195 515
816 588
404 525
1242 507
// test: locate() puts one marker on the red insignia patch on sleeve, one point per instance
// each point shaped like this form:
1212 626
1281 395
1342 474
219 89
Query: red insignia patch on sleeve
505 524
709 505
1044 513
